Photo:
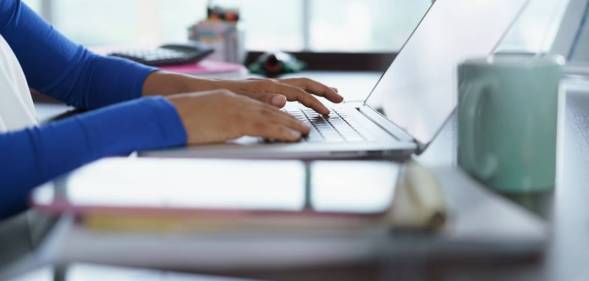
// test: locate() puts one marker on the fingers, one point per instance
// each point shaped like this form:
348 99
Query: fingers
270 123
275 132
315 88
293 93
278 100
277 92
285 119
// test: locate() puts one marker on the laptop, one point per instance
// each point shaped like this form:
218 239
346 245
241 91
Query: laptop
572 38
408 106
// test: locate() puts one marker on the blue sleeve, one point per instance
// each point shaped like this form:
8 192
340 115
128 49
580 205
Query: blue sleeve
66 71
30 157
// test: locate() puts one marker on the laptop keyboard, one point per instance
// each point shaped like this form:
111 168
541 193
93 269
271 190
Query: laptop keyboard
337 127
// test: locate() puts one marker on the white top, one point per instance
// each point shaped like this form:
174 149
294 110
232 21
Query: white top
16 105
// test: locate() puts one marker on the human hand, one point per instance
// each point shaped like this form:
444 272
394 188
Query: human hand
277 92
220 115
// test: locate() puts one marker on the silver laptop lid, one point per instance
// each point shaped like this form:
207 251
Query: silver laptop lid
570 29
418 91
572 40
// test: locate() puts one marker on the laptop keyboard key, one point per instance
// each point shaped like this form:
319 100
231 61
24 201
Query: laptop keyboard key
333 128
314 136
345 130
324 127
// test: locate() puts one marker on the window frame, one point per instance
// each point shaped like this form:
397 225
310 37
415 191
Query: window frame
316 60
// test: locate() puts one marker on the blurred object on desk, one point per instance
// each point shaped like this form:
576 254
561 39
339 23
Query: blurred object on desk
310 199
274 64
168 54
276 213
507 121
162 196
419 200
90 272
207 67
221 30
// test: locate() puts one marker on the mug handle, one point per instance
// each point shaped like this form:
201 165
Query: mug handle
468 108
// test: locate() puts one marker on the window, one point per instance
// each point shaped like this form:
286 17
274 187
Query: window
272 24
368 25
125 22
294 25
536 28
35 4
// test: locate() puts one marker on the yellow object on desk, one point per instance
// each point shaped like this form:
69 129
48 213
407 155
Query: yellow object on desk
419 201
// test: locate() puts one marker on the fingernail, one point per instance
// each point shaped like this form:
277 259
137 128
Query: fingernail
295 134
305 126
278 100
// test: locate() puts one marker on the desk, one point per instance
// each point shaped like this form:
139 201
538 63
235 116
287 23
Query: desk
566 210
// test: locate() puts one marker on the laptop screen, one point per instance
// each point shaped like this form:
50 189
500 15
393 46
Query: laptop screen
580 51
419 90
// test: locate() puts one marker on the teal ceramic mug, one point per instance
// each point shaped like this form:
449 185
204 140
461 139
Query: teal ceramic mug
507 121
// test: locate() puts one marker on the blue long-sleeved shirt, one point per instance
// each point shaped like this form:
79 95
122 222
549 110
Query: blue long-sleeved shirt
61 69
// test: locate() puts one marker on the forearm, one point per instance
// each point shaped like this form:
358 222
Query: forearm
36 155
